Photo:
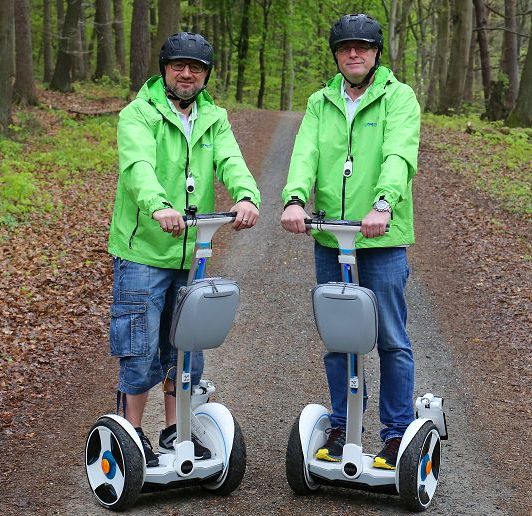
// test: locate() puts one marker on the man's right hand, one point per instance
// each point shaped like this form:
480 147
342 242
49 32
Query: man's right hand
170 221
293 219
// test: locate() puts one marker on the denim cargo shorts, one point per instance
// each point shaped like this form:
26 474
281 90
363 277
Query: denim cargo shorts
143 301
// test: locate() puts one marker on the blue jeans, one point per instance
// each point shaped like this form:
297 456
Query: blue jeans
141 315
385 271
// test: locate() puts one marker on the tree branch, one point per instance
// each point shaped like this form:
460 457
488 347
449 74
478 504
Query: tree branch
501 28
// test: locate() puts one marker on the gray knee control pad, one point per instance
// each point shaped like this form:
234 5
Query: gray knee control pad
204 314
346 317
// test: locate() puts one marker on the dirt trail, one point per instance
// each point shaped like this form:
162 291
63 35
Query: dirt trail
268 369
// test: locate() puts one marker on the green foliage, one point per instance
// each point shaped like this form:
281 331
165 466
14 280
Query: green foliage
103 88
79 147
495 158
34 161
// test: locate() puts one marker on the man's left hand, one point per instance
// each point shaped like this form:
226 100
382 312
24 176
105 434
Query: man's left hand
247 215
374 223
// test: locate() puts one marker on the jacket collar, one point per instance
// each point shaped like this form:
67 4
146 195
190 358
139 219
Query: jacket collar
153 92
383 76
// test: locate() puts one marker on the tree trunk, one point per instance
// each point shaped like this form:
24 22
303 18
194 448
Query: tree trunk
140 44
439 67
403 36
226 29
105 56
60 11
6 44
87 50
223 51
284 71
287 78
243 45
62 79
118 28
291 77
217 44
78 56
194 17
24 87
266 5
168 24
425 27
521 115
482 36
509 62
470 75
452 96
92 43
393 40
47 41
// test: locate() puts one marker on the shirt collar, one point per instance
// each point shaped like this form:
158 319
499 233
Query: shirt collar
345 95
193 114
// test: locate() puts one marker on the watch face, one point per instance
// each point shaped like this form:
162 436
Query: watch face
382 205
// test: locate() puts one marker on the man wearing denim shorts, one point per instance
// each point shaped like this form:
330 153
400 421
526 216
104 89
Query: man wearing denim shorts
357 150
172 140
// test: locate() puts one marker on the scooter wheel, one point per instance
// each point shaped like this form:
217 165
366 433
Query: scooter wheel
295 464
419 468
114 465
236 467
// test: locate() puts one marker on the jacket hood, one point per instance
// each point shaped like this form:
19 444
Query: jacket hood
382 76
153 91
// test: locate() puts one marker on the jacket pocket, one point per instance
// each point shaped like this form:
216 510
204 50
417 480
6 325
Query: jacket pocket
129 329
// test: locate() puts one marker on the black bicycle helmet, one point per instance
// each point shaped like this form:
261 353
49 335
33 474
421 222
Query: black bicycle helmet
359 27
186 45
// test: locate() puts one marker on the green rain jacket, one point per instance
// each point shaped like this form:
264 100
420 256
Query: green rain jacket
153 159
384 147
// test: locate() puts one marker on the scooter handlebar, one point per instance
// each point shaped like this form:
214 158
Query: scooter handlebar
195 220
324 224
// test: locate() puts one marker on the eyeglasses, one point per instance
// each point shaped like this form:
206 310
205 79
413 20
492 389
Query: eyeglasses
193 66
360 47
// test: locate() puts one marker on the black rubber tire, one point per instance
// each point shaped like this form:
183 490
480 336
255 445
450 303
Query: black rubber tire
408 469
131 468
237 465
295 464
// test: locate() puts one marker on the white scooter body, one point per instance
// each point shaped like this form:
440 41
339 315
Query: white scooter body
313 423
116 484
220 430
418 460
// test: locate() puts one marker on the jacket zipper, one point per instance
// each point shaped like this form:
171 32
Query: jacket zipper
343 198
186 206
350 158
135 229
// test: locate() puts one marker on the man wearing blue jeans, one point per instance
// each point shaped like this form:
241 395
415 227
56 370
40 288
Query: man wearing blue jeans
357 151
172 141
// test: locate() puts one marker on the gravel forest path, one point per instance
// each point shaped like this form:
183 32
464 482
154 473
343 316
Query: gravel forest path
271 366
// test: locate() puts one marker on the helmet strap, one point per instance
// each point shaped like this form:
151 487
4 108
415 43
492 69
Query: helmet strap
364 81
183 103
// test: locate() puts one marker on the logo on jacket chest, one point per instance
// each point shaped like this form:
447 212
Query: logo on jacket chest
371 124
206 145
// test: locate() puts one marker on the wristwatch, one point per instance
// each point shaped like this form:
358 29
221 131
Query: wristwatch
382 205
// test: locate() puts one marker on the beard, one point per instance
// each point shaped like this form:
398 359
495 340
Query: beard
183 93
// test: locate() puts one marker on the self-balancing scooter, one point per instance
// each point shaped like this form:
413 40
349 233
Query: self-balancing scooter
114 457
346 317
